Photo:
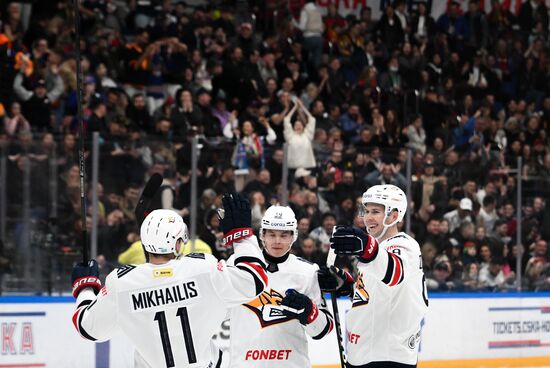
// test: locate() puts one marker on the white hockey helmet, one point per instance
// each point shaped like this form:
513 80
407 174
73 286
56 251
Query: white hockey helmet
389 196
161 230
279 218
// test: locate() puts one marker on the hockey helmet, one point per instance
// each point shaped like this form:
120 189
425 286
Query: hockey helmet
161 230
389 196
279 218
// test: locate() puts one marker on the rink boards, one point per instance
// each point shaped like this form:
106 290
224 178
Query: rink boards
460 330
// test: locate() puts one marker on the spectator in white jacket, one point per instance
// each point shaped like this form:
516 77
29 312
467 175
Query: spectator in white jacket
300 137
417 135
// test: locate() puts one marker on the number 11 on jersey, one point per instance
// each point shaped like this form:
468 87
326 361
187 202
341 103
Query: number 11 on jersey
160 317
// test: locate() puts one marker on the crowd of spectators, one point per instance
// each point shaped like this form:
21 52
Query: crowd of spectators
467 93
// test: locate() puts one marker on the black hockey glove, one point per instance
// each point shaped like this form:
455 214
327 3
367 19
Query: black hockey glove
299 306
336 280
235 218
86 275
348 240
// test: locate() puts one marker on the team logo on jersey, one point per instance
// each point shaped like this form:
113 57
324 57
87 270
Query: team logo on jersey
413 340
163 272
360 295
267 308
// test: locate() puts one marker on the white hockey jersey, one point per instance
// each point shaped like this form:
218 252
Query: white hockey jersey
389 303
262 336
170 311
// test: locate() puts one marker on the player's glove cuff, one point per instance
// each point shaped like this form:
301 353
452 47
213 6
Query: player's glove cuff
236 235
84 282
371 250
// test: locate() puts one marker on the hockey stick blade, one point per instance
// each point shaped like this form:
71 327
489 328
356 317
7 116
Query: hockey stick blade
151 188
331 257
154 183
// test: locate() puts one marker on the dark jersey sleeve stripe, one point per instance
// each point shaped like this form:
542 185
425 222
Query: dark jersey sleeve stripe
81 329
249 259
257 281
389 271
327 329
398 272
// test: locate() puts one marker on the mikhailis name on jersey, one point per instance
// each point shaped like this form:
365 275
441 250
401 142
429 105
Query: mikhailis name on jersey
159 297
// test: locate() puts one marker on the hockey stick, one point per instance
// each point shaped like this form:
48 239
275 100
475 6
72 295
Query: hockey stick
81 160
142 207
144 203
331 258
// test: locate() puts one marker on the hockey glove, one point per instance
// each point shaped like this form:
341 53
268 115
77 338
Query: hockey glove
336 280
348 240
86 275
299 306
235 218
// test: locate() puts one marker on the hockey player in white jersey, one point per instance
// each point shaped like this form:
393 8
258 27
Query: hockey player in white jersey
389 298
169 308
270 331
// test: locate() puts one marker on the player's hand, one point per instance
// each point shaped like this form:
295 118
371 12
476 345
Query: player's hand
86 275
336 280
299 306
235 218
349 240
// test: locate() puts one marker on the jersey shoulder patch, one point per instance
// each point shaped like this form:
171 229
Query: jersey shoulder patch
121 271
196 255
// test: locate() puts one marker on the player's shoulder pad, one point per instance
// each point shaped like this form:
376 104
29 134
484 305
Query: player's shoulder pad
124 270
200 259
197 255
304 265
401 239
304 260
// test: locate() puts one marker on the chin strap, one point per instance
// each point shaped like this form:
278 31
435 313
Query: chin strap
386 227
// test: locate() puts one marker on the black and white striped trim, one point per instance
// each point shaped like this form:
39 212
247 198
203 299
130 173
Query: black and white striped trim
124 270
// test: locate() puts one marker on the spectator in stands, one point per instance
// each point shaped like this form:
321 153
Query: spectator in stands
323 233
258 205
487 214
312 27
225 183
138 113
262 183
471 276
299 137
309 251
532 12
429 252
460 215
416 135
423 189
15 122
390 30
492 278
440 278
389 174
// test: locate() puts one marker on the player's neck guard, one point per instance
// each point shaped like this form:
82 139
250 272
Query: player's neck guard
272 259
272 262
